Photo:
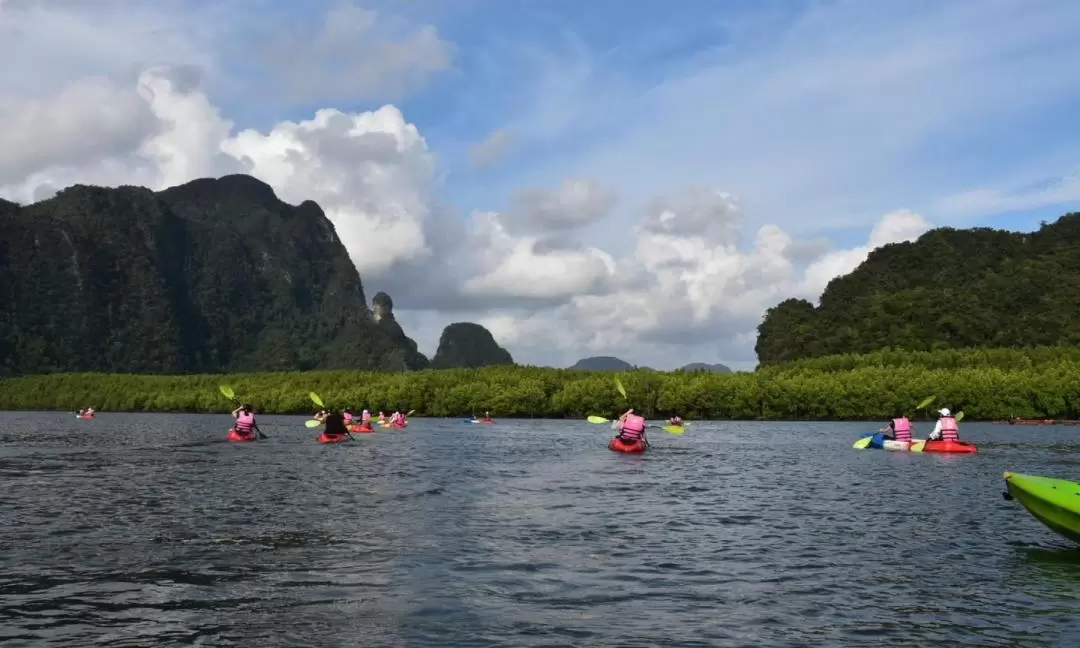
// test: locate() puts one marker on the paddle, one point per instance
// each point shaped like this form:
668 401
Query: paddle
670 429
229 393
315 398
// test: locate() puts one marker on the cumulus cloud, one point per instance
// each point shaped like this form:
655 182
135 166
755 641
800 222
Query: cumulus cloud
492 150
684 278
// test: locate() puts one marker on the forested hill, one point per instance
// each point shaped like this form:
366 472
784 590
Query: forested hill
949 289
213 275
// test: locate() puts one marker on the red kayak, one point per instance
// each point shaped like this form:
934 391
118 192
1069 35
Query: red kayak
488 422
233 435
618 445
332 438
948 446
362 429
84 418
401 426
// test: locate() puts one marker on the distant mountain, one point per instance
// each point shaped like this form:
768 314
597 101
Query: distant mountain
602 363
701 366
464 344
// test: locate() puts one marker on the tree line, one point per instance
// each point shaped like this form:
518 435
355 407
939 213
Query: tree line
985 384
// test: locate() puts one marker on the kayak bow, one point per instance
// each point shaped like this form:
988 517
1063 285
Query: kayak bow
1054 502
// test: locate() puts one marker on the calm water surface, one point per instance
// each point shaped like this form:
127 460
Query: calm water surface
150 530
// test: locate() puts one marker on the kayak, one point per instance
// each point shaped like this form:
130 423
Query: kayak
332 438
488 422
361 429
401 426
948 446
82 417
880 442
618 445
1054 502
233 435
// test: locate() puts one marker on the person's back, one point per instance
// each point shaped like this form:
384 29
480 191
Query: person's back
347 414
950 431
901 427
334 424
365 417
631 427
245 420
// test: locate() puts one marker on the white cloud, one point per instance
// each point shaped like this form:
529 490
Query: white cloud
574 203
358 53
551 276
493 149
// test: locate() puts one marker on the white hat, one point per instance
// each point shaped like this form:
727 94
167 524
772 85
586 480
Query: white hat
944 411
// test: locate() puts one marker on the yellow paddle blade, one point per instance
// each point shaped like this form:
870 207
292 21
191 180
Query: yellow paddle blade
673 429
312 423
917 446
959 416
597 419
622 390
927 401
409 413
862 443
227 392
316 399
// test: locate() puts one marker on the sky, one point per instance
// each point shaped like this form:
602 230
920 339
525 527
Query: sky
615 177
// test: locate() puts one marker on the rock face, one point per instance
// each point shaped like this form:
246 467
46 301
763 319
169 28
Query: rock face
382 314
213 275
602 363
949 289
465 344
710 368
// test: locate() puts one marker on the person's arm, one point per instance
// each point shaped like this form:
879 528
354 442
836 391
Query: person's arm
236 412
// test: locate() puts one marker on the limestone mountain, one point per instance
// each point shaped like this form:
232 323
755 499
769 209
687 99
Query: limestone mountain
213 275
949 289
464 344
602 363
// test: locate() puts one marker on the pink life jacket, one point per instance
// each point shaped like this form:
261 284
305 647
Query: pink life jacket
348 417
902 428
396 417
365 417
632 427
245 421
949 430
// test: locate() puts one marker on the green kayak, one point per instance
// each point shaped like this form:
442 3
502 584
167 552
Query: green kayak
1054 502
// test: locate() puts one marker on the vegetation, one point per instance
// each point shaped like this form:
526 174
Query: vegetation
977 288
999 384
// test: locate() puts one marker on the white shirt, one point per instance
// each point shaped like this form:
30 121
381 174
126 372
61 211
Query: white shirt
936 434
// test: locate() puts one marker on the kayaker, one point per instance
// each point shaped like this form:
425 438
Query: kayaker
347 414
382 417
245 420
365 417
320 416
675 420
631 427
899 426
946 428
334 423
397 418
487 417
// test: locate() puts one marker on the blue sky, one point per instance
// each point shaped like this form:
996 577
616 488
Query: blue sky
810 127
585 85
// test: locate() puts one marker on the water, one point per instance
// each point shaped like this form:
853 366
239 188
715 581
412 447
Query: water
149 530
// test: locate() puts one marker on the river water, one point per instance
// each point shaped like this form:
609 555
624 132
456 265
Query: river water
150 530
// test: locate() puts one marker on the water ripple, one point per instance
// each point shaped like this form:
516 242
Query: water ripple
144 530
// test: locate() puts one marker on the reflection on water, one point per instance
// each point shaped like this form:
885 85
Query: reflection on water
141 530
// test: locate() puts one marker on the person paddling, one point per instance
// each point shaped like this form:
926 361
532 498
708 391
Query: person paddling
245 420
334 424
899 426
946 427
631 428
487 417
675 420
